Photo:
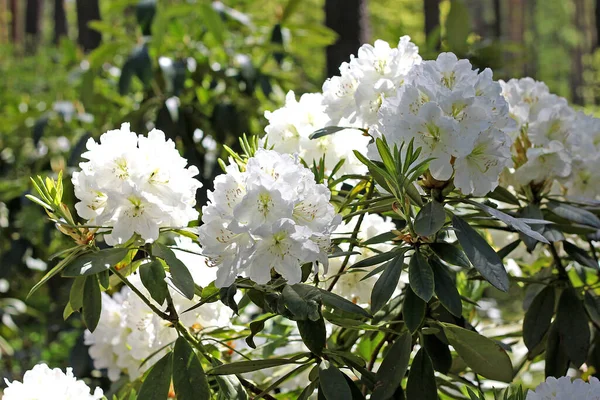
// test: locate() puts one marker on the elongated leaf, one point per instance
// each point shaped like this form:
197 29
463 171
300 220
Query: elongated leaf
256 326
92 302
506 250
421 277
158 381
340 303
451 254
381 238
302 301
413 310
328 130
241 367
482 355
189 380
393 367
439 352
314 334
77 293
430 219
538 317
153 277
376 259
579 255
445 288
386 284
504 195
574 214
181 276
481 254
557 361
421 378
92 263
230 388
332 382
572 323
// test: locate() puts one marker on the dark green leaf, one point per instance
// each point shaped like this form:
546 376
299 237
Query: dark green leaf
181 276
314 334
153 277
439 352
189 380
340 303
241 367
451 254
592 305
420 276
421 378
572 323
97 261
393 367
430 219
482 355
230 388
328 130
503 195
538 317
302 301
77 293
386 284
413 310
579 255
445 288
575 214
381 238
256 326
227 296
92 302
158 381
332 382
557 361
481 254
376 259
506 250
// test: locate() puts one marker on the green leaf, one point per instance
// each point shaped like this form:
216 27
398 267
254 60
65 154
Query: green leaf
241 367
189 380
439 352
92 302
181 276
592 306
94 262
458 27
451 254
257 326
314 334
332 382
538 317
77 292
579 255
506 250
481 254
557 361
381 238
421 378
302 301
158 381
420 276
413 310
386 284
574 214
153 277
328 130
376 259
340 303
482 355
393 367
227 296
503 195
445 288
572 323
213 22
430 219
230 388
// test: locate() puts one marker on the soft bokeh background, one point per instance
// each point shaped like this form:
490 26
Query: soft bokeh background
205 72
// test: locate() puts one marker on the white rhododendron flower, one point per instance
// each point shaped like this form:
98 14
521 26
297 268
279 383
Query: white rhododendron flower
290 128
350 285
459 119
43 383
135 184
129 332
566 389
272 215
377 72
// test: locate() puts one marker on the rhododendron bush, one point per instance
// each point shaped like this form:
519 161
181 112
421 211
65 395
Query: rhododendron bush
344 254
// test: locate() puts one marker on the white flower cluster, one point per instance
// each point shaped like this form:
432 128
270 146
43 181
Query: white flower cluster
457 116
554 141
351 284
377 72
43 383
565 389
135 184
272 215
290 128
129 332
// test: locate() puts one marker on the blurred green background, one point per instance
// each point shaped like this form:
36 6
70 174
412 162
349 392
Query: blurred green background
205 72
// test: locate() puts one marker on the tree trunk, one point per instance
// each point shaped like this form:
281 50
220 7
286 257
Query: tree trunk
597 15
60 21
350 20
88 10
516 31
498 19
577 55
33 22
431 10
478 9
15 28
